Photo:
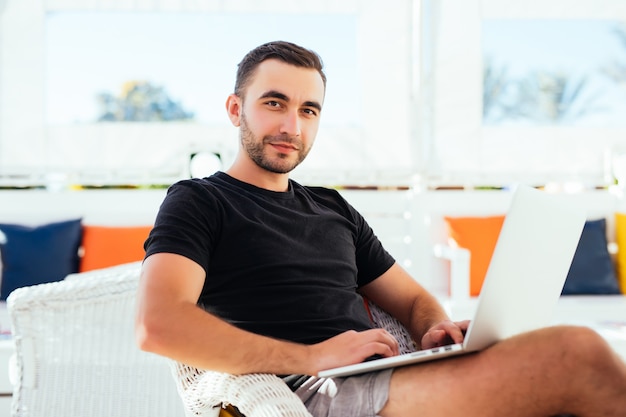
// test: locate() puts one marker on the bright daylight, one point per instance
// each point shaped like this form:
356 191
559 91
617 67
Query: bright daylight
273 208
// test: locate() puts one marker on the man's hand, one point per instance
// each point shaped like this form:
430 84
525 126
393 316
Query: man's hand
352 347
444 333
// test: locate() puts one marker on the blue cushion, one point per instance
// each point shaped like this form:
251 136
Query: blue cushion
35 255
592 270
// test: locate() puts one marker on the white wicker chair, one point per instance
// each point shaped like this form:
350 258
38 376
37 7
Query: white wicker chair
76 354
257 395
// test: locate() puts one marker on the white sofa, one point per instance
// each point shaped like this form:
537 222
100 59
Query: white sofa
409 223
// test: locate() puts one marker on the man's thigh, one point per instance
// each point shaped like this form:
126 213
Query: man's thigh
536 373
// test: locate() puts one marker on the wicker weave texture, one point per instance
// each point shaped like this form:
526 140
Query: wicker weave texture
76 354
255 395
385 321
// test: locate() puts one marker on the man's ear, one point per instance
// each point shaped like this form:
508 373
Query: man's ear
234 108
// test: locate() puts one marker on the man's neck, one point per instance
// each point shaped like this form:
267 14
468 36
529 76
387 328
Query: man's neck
259 177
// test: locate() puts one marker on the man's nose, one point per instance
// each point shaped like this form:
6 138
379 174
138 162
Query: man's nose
291 124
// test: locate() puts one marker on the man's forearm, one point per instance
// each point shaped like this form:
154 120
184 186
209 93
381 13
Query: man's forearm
199 339
426 312
170 323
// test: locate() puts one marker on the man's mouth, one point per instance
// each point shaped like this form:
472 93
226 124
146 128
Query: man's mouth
283 146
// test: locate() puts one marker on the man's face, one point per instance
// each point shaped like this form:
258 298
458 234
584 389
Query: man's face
280 115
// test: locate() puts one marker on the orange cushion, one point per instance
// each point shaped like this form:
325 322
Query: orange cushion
105 246
479 235
620 239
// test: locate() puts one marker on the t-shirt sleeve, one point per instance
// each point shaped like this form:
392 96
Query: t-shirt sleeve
187 223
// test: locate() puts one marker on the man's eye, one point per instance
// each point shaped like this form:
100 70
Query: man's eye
310 112
273 103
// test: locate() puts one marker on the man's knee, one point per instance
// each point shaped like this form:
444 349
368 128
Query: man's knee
580 345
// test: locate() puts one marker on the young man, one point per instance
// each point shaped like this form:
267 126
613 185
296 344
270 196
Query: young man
248 271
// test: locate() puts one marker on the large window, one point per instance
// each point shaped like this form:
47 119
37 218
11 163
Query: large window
528 91
477 92
152 67
550 72
118 91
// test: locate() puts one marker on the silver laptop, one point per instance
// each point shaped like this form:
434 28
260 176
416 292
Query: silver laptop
524 280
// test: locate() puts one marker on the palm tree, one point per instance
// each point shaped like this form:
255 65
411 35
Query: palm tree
496 85
554 97
542 97
617 69
140 101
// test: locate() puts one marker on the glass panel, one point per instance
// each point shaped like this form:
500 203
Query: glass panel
113 66
540 72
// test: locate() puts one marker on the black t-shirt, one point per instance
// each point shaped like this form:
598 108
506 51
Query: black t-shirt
281 264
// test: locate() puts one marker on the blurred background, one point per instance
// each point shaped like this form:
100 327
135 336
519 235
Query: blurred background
431 93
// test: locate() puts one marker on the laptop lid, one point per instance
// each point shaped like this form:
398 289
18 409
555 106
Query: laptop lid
528 267
523 283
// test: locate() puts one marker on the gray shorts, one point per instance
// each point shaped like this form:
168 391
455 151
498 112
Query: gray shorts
355 396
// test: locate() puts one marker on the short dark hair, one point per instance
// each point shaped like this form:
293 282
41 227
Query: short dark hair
287 52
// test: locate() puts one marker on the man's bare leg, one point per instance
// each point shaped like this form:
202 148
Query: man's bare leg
557 370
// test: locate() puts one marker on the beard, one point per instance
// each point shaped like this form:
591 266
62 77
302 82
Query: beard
256 150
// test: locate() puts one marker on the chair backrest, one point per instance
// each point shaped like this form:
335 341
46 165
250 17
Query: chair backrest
384 320
75 351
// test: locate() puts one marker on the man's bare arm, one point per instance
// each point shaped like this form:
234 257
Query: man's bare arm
419 311
169 323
